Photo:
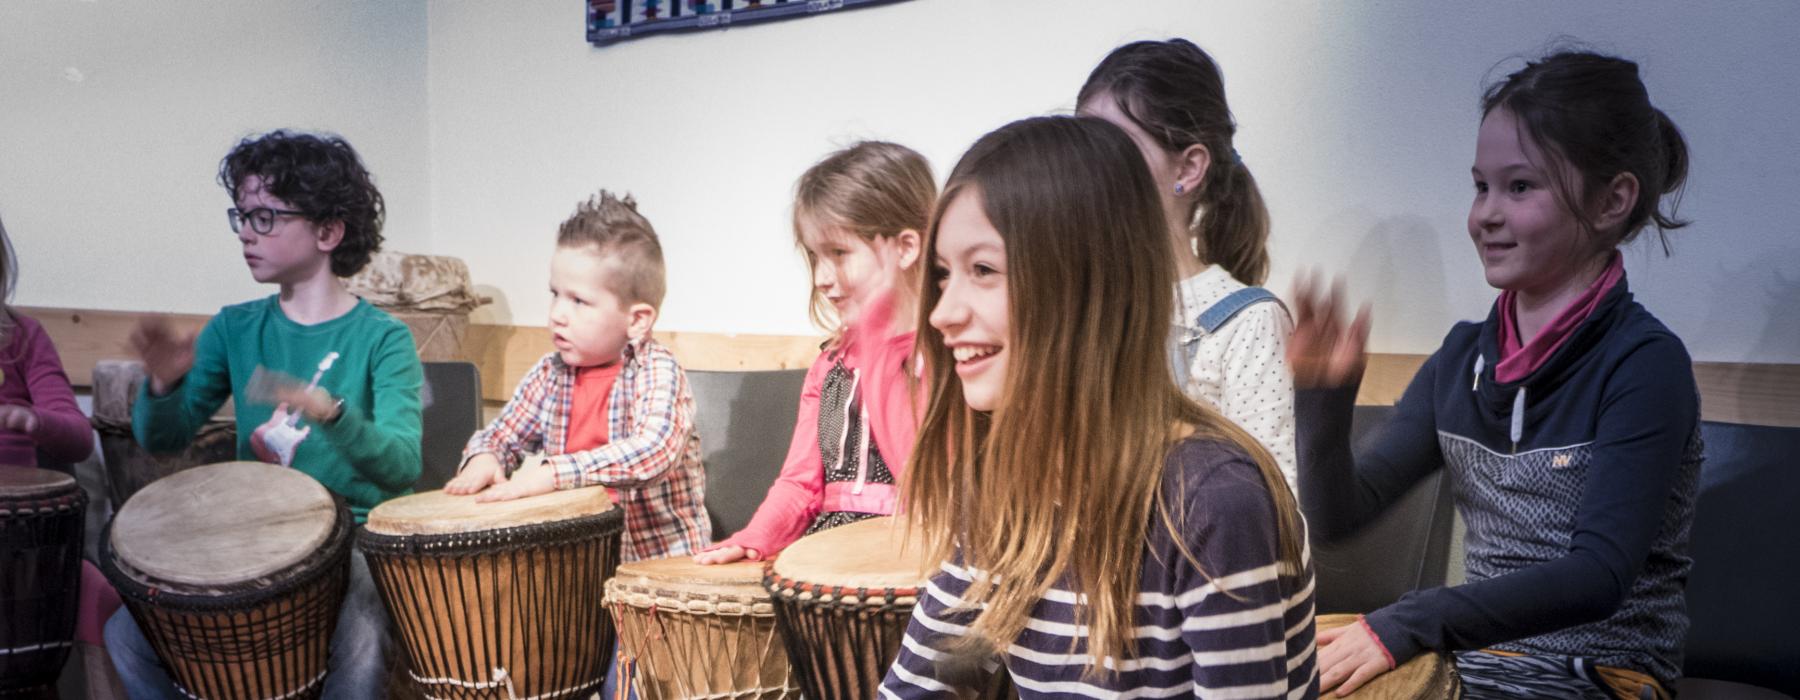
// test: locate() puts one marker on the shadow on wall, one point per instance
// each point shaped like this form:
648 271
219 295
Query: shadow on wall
1398 266
498 313
1776 301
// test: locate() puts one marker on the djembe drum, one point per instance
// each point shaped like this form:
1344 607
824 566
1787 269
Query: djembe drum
498 600
235 573
693 631
41 515
1428 676
842 600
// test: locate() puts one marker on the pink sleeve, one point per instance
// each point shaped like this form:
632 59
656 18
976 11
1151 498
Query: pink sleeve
795 497
890 388
63 433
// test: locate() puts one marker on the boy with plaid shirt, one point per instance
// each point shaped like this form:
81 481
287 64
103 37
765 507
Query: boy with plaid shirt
610 407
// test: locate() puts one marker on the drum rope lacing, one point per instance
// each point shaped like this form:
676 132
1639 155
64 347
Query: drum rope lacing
297 692
502 679
47 646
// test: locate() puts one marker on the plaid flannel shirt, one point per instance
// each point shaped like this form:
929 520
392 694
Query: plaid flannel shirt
651 461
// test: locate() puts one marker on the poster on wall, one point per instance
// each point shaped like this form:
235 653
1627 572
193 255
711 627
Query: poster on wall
613 21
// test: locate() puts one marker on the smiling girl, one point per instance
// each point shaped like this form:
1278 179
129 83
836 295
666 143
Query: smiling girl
1568 420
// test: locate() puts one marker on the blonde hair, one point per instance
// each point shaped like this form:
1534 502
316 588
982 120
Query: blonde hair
619 233
1062 480
871 189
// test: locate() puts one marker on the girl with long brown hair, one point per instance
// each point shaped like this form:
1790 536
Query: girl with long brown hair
1229 342
1100 531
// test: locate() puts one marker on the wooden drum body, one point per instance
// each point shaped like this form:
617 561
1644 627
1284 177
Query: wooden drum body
693 631
498 600
41 517
1428 676
235 572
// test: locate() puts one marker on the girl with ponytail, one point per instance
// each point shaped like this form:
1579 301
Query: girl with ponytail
1228 344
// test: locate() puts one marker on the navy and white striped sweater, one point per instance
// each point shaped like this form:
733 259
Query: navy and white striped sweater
1193 638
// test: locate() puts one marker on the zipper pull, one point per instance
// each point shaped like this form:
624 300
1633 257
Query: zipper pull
1480 361
1518 418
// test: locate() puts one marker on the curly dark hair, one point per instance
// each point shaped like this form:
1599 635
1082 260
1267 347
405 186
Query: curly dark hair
320 175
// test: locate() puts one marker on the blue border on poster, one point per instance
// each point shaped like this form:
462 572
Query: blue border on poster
608 20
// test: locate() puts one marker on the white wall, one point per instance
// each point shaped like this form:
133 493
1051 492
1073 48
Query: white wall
1358 118
114 115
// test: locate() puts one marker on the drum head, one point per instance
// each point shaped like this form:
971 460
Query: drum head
680 576
223 524
31 482
439 513
1428 676
873 553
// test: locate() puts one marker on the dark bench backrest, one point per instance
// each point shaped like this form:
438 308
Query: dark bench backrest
1406 548
745 420
452 398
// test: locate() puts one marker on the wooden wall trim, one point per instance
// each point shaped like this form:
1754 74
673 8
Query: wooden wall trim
1758 394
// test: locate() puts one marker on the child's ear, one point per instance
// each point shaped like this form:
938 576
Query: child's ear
908 243
643 320
331 233
1191 165
1616 202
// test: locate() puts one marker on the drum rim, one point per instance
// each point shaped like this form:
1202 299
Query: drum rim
479 542
784 589
49 483
42 505
236 596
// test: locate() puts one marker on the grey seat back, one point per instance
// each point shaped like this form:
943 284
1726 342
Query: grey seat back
1406 548
1741 594
745 421
452 399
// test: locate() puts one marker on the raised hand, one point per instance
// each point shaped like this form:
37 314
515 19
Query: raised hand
167 355
1324 351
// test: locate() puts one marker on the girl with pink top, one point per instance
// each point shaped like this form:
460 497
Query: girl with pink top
858 215
38 415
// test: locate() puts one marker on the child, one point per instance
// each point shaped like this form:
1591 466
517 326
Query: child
1229 347
610 407
38 414
857 215
306 215
1569 419
1081 472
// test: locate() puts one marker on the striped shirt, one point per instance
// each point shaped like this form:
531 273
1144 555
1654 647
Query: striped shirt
651 461
1245 633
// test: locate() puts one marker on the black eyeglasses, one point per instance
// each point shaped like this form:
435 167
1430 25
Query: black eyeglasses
262 219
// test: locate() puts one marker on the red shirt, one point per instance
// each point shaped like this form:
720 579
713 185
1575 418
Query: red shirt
588 424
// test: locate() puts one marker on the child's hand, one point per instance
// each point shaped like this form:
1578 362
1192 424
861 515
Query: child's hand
725 555
1349 656
482 471
18 418
1324 352
533 479
167 356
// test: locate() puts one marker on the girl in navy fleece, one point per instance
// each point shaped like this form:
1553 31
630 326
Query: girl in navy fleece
1568 420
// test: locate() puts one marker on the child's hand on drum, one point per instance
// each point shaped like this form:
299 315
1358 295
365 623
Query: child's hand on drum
534 478
1324 351
482 471
1350 656
18 418
725 555
167 356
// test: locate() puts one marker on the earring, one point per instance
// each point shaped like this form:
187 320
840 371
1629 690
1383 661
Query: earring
1179 189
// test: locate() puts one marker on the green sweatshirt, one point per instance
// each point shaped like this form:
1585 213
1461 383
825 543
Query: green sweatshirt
369 455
